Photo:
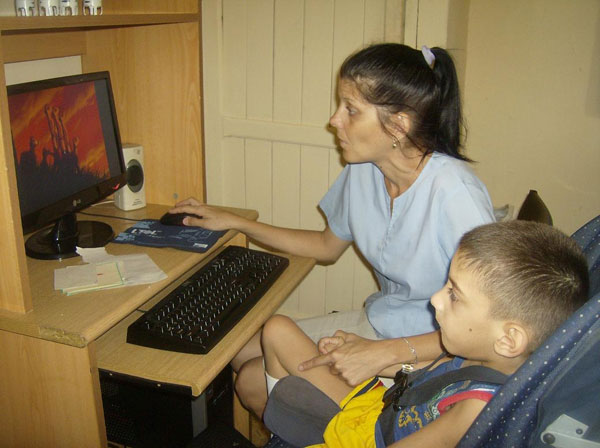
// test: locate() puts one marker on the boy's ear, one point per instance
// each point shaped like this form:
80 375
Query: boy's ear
513 340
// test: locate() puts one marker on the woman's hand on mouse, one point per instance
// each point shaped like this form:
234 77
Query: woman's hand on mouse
211 218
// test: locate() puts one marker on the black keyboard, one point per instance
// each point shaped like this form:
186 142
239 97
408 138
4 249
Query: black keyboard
195 316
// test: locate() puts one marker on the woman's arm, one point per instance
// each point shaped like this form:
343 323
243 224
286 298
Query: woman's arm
448 429
322 245
356 359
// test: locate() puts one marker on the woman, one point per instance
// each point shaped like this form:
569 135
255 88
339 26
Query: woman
405 198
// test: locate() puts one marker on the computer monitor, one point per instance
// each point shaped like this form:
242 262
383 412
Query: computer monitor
68 155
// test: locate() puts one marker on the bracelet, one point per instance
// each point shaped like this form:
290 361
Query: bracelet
407 368
412 350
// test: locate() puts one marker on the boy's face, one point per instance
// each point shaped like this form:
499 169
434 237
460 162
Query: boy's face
462 312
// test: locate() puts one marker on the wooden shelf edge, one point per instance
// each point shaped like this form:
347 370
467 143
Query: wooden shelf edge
114 354
10 25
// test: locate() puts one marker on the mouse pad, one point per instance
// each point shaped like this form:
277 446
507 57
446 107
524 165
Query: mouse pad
150 232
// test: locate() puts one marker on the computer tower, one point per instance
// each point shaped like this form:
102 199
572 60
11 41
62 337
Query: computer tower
144 414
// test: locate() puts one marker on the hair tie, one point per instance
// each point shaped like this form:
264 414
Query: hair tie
428 55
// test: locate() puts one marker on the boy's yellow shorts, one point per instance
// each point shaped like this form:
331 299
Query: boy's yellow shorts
354 426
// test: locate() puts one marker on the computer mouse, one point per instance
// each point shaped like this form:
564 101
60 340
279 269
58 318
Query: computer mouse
175 219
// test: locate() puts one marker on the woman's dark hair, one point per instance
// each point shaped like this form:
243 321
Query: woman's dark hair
397 78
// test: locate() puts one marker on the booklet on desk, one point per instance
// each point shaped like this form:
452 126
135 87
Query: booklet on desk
150 232
89 277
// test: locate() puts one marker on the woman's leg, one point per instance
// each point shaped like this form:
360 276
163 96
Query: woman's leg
250 379
250 386
251 350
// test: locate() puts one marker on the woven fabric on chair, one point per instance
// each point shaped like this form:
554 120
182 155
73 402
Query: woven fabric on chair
588 238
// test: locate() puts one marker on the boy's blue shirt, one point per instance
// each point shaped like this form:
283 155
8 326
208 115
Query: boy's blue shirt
412 418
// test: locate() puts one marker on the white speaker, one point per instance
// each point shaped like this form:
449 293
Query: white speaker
133 195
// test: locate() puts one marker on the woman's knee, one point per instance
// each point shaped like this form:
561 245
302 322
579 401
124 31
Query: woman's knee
249 373
250 385
251 350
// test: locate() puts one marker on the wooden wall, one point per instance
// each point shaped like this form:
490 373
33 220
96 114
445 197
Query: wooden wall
270 70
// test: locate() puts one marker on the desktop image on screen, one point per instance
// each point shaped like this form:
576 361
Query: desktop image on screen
68 155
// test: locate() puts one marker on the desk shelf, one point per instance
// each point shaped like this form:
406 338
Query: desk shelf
195 371
22 25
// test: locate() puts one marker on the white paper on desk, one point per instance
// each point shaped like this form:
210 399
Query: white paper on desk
75 276
138 269
95 255
108 275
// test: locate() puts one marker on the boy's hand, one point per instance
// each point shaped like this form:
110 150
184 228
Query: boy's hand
354 358
330 343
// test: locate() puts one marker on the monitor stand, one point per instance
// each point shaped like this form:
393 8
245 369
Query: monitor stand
61 240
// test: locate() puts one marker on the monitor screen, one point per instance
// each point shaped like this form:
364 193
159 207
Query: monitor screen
68 155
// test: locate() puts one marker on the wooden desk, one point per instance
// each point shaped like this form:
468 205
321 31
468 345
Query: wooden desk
49 386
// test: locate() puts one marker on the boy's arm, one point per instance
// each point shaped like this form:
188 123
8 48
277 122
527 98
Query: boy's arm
448 429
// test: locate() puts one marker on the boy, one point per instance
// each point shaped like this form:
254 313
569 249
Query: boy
509 287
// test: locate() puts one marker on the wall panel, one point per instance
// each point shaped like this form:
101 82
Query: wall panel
286 197
395 20
271 99
374 21
347 37
314 170
258 184
233 69
259 57
317 67
211 76
234 172
287 60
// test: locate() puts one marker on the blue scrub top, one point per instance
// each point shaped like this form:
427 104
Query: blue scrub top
409 248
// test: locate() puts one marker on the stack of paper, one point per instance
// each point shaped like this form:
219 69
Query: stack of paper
89 277
103 270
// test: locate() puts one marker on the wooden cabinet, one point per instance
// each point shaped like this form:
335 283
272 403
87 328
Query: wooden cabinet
152 50
49 388
52 345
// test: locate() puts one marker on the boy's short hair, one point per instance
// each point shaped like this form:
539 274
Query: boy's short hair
531 272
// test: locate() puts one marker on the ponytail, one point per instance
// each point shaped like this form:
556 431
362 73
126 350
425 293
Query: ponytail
449 135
